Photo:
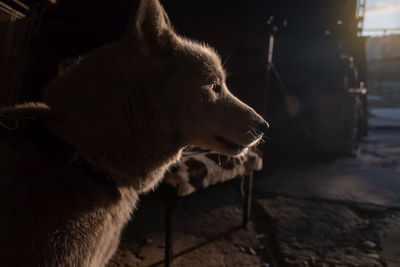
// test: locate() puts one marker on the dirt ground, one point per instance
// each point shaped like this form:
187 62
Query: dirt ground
340 213
200 217
239 248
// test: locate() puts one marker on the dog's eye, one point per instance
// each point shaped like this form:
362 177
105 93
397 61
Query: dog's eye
216 88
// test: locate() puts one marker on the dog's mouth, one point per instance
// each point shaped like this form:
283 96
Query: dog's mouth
229 144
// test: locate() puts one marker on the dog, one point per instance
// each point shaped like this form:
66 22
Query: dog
106 131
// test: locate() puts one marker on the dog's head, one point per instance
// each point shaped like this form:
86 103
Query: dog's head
195 97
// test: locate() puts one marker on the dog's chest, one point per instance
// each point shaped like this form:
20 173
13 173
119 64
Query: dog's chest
109 229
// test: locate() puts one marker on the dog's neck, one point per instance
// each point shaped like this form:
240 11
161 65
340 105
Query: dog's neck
34 130
139 162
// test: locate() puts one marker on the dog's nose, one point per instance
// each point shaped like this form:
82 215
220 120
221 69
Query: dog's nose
263 127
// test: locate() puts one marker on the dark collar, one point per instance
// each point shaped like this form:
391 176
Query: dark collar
36 131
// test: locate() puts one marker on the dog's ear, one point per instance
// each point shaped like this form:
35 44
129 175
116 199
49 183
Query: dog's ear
150 24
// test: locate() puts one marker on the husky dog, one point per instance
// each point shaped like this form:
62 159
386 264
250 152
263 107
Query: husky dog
126 110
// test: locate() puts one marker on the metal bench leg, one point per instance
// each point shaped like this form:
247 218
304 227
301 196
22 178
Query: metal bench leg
247 199
169 226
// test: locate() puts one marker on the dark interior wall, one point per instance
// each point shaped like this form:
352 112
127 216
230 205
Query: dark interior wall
68 29
74 27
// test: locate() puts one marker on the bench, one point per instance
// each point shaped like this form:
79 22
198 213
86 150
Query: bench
200 169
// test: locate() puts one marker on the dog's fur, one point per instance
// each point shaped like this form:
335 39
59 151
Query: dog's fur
128 109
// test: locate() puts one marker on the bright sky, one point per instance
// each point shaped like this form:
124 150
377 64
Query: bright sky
382 14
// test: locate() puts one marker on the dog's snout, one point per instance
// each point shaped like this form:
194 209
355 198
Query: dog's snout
263 127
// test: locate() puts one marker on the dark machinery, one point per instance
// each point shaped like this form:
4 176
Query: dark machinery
316 95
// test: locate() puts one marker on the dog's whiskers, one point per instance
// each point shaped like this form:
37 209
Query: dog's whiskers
252 135
227 58
253 132
188 149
